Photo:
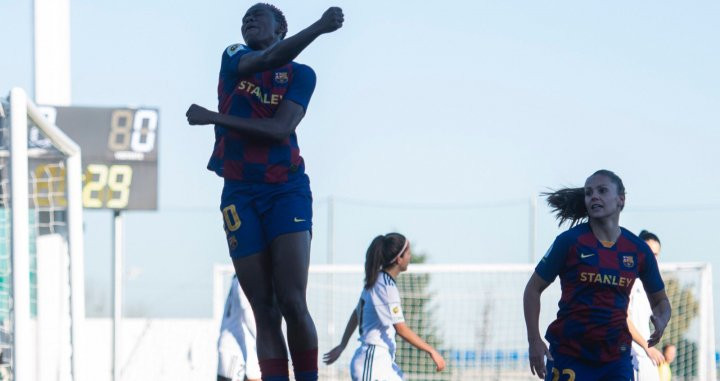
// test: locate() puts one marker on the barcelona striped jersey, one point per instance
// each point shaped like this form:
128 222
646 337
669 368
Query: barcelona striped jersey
596 282
250 159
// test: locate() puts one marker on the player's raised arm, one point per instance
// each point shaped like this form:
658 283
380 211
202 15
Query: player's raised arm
335 353
264 57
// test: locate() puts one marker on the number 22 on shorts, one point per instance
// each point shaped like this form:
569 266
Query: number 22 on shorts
232 220
569 372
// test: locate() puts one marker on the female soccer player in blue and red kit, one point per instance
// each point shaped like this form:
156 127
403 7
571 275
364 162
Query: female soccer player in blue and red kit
266 200
597 261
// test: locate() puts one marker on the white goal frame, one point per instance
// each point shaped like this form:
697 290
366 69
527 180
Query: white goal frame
22 109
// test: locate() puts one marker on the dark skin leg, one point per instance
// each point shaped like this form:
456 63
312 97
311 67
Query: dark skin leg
253 272
291 260
280 295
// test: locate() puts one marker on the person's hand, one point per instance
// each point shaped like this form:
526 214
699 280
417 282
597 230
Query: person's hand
438 360
655 355
198 115
537 351
333 355
659 323
331 20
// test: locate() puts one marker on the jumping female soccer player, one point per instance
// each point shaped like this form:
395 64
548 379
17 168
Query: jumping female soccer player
379 315
598 262
266 201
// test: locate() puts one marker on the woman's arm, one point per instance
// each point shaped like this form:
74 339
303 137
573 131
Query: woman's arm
411 337
654 354
279 127
661 315
286 50
335 353
531 306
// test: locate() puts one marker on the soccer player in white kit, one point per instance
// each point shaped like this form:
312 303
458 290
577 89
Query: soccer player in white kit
237 355
379 315
645 359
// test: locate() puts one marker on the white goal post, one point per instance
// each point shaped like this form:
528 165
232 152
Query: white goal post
66 185
473 314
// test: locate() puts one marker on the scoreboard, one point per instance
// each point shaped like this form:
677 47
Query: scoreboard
119 154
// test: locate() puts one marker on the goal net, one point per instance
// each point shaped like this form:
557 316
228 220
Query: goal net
41 289
473 315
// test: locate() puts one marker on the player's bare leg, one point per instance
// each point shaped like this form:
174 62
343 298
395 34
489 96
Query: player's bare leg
290 263
255 275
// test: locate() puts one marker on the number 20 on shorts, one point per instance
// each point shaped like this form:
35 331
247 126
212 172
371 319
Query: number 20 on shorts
232 220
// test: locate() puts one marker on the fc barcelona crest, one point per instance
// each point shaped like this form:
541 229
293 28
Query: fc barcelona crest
232 242
628 261
281 77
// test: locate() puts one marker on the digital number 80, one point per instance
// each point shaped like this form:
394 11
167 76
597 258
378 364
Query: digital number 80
133 130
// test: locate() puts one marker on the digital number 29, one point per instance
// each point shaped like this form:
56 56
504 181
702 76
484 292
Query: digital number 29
107 183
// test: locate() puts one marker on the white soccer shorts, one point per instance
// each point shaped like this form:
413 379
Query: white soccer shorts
645 370
374 363
231 361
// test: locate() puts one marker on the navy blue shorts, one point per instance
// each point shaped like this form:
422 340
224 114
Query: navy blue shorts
254 213
567 368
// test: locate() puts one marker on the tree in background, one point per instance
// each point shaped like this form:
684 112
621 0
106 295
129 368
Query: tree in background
684 310
416 303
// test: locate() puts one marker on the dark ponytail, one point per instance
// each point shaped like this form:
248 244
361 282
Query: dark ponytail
381 253
568 204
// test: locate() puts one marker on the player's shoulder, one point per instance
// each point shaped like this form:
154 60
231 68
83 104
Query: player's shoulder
627 234
235 49
384 284
641 246
386 279
302 69
574 233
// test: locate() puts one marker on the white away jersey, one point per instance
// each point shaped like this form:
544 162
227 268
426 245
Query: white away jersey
238 316
378 309
639 311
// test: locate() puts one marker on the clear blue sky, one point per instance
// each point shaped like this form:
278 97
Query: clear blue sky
442 104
